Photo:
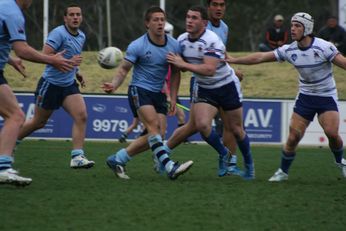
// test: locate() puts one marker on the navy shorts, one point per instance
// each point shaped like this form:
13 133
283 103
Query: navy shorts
2 78
139 97
226 97
50 97
308 106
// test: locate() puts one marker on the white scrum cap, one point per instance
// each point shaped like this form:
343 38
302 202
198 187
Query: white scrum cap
306 20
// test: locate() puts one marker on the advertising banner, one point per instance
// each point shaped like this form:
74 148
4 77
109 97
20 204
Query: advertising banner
109 116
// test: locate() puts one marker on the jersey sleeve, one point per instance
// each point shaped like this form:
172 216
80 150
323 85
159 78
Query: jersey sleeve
131 53
15 26
330 51
280 53
54 39
215 48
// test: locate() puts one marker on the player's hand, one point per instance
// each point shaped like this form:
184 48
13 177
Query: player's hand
239 74
77 60
108 87
229 59
80 79
18 65
62 64
172 108
176 60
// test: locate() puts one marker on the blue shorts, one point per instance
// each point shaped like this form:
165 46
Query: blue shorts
2 78
50 97
308 105
226 97
139 97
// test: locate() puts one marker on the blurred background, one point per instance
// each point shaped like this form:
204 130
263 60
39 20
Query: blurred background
247 19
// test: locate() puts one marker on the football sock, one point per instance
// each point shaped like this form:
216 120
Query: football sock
167 149
156 145
214 140
122 156
244 146
338 155
233 161
286 160
5 161
76 152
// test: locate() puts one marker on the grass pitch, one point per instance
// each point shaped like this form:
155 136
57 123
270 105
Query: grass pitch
61 198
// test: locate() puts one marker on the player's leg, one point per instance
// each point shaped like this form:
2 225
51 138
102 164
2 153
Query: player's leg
13 119
45 104
234 121
330 121
231 143
149 106
297 130
130 128
203 120
182 133
74 105
38 121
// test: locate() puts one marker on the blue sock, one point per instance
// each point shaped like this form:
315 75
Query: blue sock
286 160
76 152
156 145
5 161
122 156
338 154
244 146
214 140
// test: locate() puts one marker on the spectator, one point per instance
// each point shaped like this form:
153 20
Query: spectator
334 33
275 36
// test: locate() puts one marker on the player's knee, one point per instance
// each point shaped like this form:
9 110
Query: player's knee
332 134
202 126
82 117
18 116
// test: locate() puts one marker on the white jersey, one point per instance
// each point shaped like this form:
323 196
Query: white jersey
209 44
314 65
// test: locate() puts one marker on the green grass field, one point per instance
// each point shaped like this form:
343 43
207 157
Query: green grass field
61 198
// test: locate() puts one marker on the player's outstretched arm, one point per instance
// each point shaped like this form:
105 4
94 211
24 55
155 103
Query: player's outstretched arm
24 51
119 77
254 58
340 61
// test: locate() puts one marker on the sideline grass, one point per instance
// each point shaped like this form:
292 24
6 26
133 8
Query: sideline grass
61 198
267 80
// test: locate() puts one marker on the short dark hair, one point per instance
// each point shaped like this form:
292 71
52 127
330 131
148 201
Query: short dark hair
209 1
202 10
151 10
71 5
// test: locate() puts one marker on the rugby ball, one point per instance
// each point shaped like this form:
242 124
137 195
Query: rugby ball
109 57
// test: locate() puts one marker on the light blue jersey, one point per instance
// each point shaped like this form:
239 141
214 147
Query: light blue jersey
61 39
221 30
12 28
150 63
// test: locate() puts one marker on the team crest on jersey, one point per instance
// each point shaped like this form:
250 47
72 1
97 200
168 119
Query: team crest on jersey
20 30
294 57
200 48
147 55
316 55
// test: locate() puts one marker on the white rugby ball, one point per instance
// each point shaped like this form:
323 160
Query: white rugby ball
110 57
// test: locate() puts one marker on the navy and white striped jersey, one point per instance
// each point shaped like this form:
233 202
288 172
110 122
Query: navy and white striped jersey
208 44
314 65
